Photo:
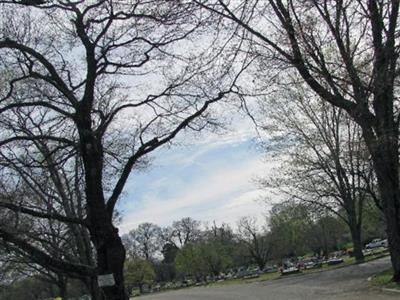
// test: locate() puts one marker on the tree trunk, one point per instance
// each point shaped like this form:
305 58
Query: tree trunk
93 287
110 260
141 288
110 253
62 288
109 248
386 163
357 244
391 200
63 293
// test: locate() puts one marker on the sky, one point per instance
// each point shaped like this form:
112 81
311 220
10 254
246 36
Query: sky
211 178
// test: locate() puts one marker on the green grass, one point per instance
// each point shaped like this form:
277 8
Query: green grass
383 280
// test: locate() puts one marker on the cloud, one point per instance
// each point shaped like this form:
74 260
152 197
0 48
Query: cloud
246 204
195 146
223 191
208 176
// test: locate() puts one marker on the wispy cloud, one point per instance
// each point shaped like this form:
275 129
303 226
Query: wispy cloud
222 190
208 177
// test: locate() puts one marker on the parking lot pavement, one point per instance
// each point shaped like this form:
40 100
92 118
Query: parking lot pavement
347 283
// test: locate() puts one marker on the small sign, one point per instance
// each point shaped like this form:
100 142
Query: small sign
106 280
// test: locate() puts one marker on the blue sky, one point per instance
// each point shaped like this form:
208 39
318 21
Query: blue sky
210 178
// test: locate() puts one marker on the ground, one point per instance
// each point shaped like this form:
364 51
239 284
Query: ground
347 283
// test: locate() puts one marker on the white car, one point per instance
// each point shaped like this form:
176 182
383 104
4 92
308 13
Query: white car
376 243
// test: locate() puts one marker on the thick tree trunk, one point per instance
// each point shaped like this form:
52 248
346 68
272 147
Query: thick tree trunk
109 248
62 288
93 287
394 246
63 293
391 200
386 164
357 244
110 260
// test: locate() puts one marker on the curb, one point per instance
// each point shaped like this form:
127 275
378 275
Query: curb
390 290
383 289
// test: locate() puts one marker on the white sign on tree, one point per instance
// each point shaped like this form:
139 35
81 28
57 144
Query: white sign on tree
106 280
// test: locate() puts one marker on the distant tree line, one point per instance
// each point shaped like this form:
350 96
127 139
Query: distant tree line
200 251
190 249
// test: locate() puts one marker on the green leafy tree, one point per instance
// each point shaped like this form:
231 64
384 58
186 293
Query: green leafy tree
374 224
189 261
290 225
327 233
202 259
216 256
169 251
138 272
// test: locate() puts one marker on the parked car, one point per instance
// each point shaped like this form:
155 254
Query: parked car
311 264
334 261
377 243
247 273
242 272
270 269
290 270
187 282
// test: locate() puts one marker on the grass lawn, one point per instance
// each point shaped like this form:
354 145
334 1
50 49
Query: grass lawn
383 280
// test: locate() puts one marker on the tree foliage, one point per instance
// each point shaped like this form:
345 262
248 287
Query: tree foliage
138 272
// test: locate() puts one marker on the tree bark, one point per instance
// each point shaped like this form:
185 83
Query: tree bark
93 287
385 156
62 287
357 244
110 252
109 248
390 192
110 260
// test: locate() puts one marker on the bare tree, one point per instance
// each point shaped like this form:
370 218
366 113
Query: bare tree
38 203
108 82
257 241
327 164
181 232
347 53
185 231
144 241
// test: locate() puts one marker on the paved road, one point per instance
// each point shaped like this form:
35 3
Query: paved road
349 283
